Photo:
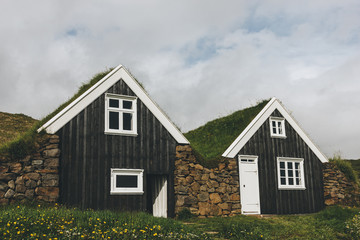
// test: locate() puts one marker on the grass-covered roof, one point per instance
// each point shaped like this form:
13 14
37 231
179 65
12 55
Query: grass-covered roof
212 139
24 143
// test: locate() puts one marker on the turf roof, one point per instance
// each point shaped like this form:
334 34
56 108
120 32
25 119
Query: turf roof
25 143
212 139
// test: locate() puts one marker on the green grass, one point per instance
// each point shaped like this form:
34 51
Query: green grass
41 222
24 143
212 139
13 125
356 166
330 223
45 222
346 167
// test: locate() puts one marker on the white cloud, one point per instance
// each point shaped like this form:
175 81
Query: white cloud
199 60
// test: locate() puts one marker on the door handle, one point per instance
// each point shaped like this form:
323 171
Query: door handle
244 185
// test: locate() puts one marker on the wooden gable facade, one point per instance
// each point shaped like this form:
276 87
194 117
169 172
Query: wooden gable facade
130 171
280 172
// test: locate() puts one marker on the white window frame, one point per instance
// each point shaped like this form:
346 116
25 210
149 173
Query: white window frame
126 172
277 120
286 186
121 110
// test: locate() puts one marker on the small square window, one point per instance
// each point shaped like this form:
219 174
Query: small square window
120 114
127 104
114 103
277 127
126 181
291 173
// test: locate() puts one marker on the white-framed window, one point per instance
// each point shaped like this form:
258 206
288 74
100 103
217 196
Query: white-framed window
291 173
120 114
126 181
277 127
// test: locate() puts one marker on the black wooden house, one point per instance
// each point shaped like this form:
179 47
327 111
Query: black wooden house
117 148
280 168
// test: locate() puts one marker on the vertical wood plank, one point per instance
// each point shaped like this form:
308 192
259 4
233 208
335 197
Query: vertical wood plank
88 155
268 149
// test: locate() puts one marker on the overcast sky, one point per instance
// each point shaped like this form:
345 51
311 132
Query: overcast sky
199 60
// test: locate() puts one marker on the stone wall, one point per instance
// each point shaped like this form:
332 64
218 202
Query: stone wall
338 189
33 178
215 192
206 192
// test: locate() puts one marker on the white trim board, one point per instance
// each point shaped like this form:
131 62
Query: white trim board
75 107
258 121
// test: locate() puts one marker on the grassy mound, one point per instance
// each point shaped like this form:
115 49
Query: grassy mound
346 167
212 139
13 125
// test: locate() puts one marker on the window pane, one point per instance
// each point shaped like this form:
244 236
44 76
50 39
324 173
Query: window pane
273 124
123 181
282 181
290 173
127 104
113 120
251 160
297 165
282 173
290 165
297 181
274 130
114 103
297 174
280 127
127 121
244 160
282 164
291 181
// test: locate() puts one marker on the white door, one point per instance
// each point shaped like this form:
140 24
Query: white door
160 196
249 185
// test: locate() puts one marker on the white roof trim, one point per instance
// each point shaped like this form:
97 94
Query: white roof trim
256 123
76 106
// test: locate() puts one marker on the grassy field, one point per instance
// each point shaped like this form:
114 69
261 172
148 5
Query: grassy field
55 222
41 222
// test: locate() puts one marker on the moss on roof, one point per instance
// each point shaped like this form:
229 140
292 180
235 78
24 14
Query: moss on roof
24 144
211 140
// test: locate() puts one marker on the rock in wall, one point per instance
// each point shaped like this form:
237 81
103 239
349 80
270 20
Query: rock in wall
338 189
36 177
206 192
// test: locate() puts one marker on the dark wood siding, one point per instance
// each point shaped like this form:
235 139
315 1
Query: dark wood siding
273 200
87 155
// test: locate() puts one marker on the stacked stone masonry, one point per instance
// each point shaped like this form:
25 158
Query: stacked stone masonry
206 192
34 178
338 189
215 192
